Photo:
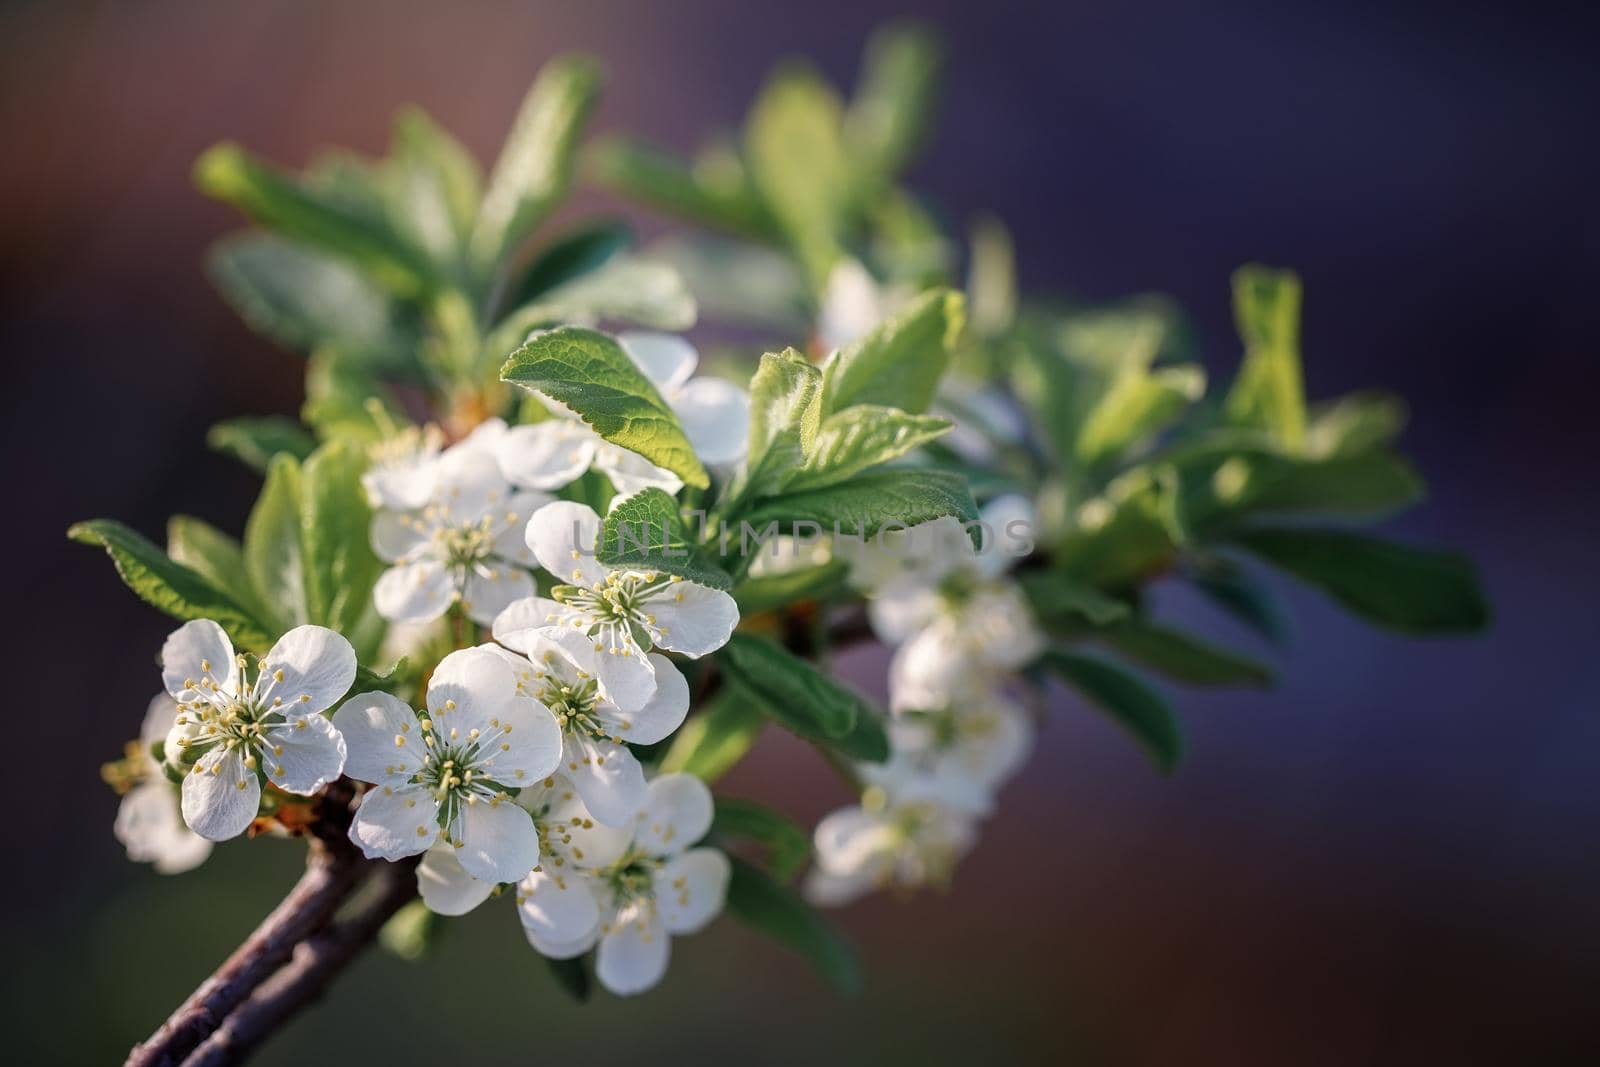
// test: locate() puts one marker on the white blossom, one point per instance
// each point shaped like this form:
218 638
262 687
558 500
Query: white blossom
714 414
959 752
607 619
903 834
149 823
444 773
595 732
464 543
237 730
854 304
401 473
632 904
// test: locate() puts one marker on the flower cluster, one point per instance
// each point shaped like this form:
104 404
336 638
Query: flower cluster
961 631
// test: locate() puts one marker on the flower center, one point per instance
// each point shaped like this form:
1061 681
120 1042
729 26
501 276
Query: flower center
467 545
632 878
574 705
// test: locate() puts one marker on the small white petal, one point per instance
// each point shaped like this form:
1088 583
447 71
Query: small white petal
369 724
401 484
715 415
633 956
469 482
414 592
691 889
522 625
158 719
393 823
151 828
825 890
559 913
318 666
511 542
630 472
220 795
607 776
399 537
446 887
676 814
573 835
547 455
850 840
469 688
195 651
691 618
303 756
498 842
666 359
659 716
562 537
486 596
530 750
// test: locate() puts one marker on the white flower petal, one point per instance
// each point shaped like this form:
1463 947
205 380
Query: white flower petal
159 715
446 887
469 483
852 305
666 359
485 596
414 592
528 747
691 889
303 756
630 472
220 795
511 542
521 626
151 828
572 833
825 890
562 537
899 613
194 652
559 913
633 954
470 687
547 455
659 716
608 778
625 680
692 618
370 723
318 666
399 536
715 415
850 840
393 823
1010 521
676 814
498 841
402 484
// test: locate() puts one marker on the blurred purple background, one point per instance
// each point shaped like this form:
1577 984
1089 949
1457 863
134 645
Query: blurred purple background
1389 859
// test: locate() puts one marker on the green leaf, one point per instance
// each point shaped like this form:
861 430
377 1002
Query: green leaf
1060 601
577 252
863 436
720 197
1268 392
736 283
804 699
370 680
273 555
899 364
1127 699
344 400
758 901
991 278
169 586
772 591
646 531
214 556
798 160
304 299
1181 657
1241 596
788 845
313 216
439 186
591 374
340 566
1127 535
254 440
535 167
785 415
571 976
710 743
1223 489
1408 589
409 932
893 105
869 502
1138 405
1355 423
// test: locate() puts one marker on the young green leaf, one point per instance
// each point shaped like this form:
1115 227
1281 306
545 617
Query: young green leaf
716 738
214 556
1223 489
170 586
1408 589
788 846
570 256
1062 602
535 167
703 195
1182 657
1355 423
646 531
340 566
785 415
1242 596
868 503
273 554
439 186
794 141
899 364
804 699
591 374
1138 405
771 591
409 932
314 216
991 278
254 440
758 901
1268 392
893 104
1127 699
859 437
